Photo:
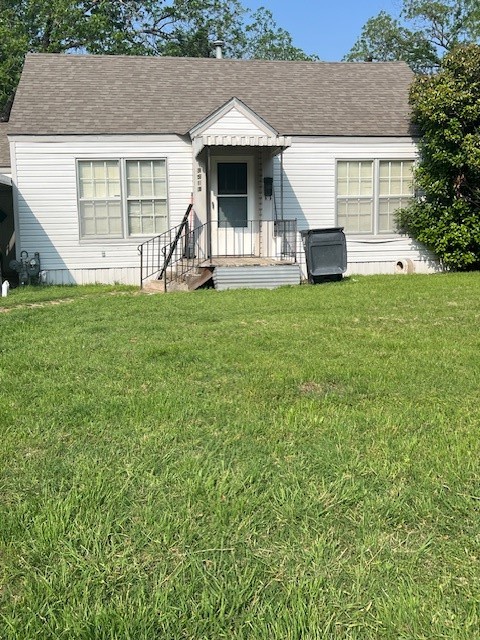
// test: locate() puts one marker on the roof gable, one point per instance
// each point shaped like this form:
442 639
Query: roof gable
234 118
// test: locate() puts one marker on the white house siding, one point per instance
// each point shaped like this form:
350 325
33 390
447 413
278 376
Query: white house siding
309 195
45 188
233 123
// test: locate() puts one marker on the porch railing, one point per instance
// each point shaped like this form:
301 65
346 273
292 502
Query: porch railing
285 233
266 238
153 257
186 256
171 255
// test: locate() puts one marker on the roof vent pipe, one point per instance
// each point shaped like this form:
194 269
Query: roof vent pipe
219 44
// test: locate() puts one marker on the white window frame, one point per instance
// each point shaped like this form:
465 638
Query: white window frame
375 195
122 164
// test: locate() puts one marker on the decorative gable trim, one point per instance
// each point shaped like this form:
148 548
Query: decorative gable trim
255 121
235 124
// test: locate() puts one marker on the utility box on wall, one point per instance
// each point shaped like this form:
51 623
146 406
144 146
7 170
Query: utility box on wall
325 253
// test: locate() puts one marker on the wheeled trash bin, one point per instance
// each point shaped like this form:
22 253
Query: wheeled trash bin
326 254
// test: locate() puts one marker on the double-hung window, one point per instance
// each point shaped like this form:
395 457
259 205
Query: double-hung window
146 197
370 191
122 198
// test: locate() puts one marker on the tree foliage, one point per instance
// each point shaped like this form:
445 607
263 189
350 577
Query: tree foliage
446 107
423 32
263 39
143 27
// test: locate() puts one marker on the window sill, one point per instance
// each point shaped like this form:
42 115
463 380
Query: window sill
131 240
370 237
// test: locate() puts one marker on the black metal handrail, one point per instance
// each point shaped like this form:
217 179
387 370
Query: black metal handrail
153 259
185 258
173 245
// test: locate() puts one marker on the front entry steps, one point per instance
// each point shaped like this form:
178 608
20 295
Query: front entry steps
232 275
198 278
189 282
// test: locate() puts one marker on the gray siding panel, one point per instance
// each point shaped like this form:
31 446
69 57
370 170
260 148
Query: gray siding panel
256 277
128 275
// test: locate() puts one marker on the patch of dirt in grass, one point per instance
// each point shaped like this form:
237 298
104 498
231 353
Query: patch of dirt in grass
57 301
321 389
36 305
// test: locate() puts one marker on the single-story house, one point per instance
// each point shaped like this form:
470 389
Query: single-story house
108 152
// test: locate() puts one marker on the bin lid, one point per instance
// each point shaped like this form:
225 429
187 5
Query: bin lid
308 232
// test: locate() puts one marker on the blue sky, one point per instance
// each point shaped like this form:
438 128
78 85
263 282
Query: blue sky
328 28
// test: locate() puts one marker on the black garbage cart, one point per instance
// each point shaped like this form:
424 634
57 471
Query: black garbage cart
326 254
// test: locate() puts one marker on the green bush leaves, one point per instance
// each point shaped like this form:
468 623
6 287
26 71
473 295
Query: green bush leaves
446 106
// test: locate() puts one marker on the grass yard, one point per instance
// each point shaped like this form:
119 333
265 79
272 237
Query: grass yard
293 464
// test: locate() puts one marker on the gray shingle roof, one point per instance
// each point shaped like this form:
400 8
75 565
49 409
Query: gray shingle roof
4 146
70 94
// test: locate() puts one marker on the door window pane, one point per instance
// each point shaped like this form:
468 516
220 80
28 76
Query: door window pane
232 212
232 178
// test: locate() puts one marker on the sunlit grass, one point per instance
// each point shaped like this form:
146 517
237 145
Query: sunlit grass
297 464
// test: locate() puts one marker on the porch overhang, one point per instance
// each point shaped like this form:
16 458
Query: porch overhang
276 143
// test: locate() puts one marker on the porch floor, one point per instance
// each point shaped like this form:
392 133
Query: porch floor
250 261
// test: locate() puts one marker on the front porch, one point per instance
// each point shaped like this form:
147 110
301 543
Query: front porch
263 253
235 215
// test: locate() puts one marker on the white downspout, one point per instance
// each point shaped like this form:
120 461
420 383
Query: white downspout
281 184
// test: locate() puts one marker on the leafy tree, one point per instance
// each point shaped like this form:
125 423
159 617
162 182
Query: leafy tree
266 41
446 107
98 26
143 27
187 27
423 32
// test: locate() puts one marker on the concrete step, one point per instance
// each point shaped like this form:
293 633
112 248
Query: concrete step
153 286
177 285
196 279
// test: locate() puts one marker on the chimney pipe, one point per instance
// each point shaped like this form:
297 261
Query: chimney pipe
218 44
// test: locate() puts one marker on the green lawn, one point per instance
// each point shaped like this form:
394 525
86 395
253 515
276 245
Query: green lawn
293 464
